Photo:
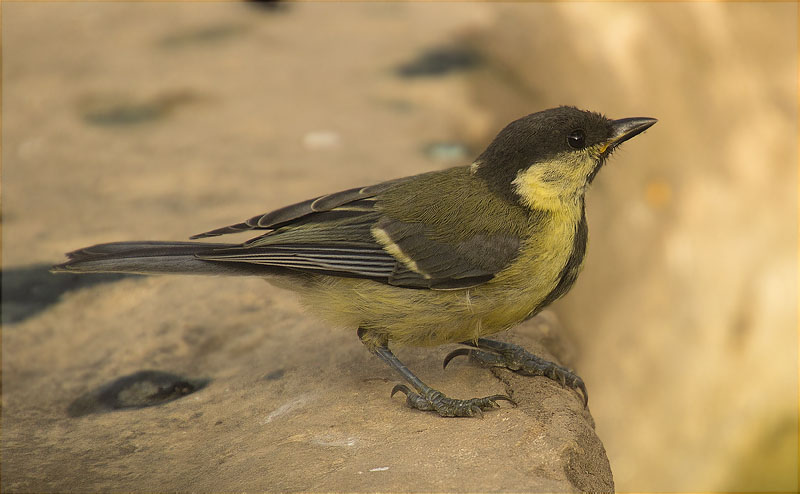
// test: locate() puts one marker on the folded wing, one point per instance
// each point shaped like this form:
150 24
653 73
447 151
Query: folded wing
349 234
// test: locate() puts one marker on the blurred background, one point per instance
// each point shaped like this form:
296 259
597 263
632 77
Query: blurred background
161 120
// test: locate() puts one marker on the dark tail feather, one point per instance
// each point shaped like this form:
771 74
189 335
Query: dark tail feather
153 258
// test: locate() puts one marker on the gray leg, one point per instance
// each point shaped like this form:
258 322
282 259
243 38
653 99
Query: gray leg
427 398
517 359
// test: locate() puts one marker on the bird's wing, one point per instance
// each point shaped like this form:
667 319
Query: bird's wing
336 242
344 202
426 260
348 234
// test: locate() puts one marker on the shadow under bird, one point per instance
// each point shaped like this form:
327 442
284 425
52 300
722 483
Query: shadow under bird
449 256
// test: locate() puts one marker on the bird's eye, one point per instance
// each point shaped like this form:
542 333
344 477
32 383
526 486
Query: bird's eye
576 139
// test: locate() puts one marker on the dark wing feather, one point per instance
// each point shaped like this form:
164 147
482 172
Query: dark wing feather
333 235
360 262
337 241
289 214
445 265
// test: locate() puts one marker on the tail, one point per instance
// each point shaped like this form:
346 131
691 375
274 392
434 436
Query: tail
153 258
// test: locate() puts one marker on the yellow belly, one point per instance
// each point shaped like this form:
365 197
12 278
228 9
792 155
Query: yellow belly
421 317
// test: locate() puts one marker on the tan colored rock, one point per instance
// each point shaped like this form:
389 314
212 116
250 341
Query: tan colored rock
291 405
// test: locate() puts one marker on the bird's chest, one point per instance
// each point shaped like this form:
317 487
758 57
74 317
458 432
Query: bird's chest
545 268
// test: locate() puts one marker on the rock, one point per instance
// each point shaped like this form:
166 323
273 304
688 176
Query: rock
289 405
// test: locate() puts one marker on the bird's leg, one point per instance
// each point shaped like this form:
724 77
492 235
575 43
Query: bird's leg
427 398
513 357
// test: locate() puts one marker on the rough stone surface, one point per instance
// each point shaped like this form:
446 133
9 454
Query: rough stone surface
291 406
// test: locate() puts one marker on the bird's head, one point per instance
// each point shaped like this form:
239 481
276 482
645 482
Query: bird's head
550 157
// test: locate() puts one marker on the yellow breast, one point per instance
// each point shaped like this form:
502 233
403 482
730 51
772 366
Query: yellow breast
421 317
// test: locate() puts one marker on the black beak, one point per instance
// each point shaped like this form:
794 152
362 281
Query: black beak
621 130
625 128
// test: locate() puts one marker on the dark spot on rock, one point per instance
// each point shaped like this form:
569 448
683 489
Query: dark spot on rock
123 114
139 390
275 375
121 110
176 390
441 61
202 35
30 289
271 6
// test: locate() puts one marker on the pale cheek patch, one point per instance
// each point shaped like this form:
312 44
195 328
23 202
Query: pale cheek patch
548 184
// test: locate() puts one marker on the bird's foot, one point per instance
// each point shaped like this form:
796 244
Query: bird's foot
432 400
513 357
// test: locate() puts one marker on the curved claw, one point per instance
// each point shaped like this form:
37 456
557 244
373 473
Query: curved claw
582 388
575 383
494 398
401 388
456 353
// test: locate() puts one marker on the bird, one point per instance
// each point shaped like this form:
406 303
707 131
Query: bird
448 256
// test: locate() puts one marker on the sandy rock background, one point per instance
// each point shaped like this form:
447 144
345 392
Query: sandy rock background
133 121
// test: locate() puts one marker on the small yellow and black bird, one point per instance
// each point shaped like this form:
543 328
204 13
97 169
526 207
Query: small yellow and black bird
448 256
